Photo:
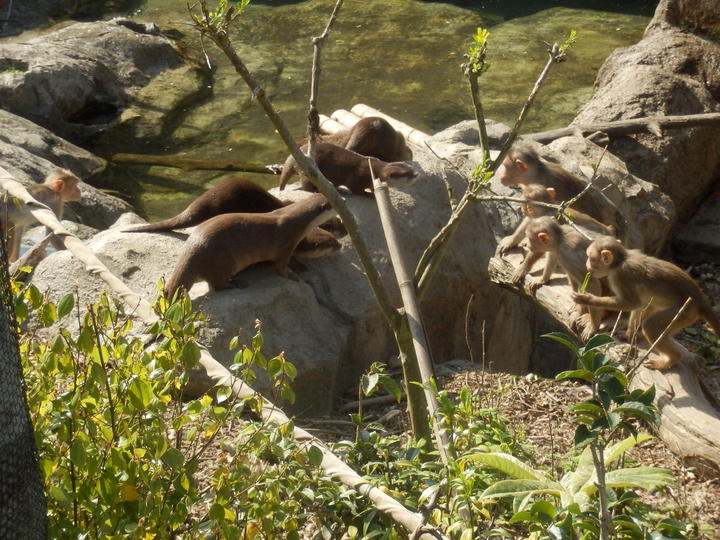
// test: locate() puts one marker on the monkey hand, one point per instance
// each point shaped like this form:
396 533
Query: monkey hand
584 299
533 284
505 245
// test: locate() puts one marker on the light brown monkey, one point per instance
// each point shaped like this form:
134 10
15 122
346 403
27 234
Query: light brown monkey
523 166
651 288
224 245
567 247
345 167
542 194
60 186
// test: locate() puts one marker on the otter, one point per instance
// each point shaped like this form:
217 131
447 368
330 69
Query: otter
236 194
348 168
372 136
224 245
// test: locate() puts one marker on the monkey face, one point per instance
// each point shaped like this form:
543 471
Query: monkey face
597 261
70 190
512 172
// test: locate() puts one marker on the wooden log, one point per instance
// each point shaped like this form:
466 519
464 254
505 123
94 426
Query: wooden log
329 126
192 164
653 125
345 118
690 422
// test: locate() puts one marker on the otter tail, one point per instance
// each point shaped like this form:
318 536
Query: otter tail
178 222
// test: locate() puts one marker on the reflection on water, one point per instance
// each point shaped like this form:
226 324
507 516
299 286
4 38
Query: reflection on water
401 57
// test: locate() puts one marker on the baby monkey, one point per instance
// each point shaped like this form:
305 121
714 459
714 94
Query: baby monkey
540 194
59 187
565 246
651 289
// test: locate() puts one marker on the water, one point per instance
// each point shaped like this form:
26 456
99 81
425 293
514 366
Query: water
401 57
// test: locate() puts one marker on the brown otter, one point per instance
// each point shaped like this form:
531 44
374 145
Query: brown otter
372 136
236 194
222 246
348 168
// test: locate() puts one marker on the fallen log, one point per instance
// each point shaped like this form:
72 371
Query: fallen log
192 164
690 423
651 124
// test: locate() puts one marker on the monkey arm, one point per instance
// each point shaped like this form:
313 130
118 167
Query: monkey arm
522 270
614 303
512 240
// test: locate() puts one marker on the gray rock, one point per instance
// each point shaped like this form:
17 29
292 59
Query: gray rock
698 240
328 324
77 80
29 152
700 17
669 72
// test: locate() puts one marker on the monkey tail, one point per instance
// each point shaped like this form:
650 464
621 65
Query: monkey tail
288 171
708 313
177 222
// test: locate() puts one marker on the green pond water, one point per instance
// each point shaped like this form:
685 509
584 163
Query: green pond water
399 56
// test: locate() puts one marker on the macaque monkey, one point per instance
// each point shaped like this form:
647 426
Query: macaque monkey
523 166
542 194
651 288
60 186
567 247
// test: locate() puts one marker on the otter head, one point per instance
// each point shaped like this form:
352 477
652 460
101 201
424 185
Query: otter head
398 174
317 243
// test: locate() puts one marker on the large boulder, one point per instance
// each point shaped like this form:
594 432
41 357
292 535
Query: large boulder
328 323
700 17
669 72
78 79
31 13
29 152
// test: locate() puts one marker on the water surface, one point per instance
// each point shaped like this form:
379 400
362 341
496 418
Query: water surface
402 57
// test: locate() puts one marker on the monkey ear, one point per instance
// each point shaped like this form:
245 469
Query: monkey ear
606 256
57 185
544 237
520 164
551 191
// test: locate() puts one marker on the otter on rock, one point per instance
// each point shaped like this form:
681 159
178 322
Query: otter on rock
347 168
224 245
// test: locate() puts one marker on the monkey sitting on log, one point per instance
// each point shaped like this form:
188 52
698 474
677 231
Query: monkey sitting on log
523 166
542 194
565 246
345 167
653 290
371 136
224 245
59 187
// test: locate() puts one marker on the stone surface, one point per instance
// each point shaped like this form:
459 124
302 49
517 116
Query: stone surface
76 80
698 240
328 323
669 72
696 16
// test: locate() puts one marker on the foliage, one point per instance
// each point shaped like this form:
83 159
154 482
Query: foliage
123 456
477 52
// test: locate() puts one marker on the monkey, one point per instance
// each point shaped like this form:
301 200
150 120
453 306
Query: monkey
567 245
59 187
235 194
540 193
651 288
345 167
523 166
372 136
224 245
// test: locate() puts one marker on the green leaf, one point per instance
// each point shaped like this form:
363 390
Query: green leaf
618 449
634 409
508 464
564 339
315 456
639 477
369 383
583 435
597 341
65 305
392 388
512 488
140 392
173 458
